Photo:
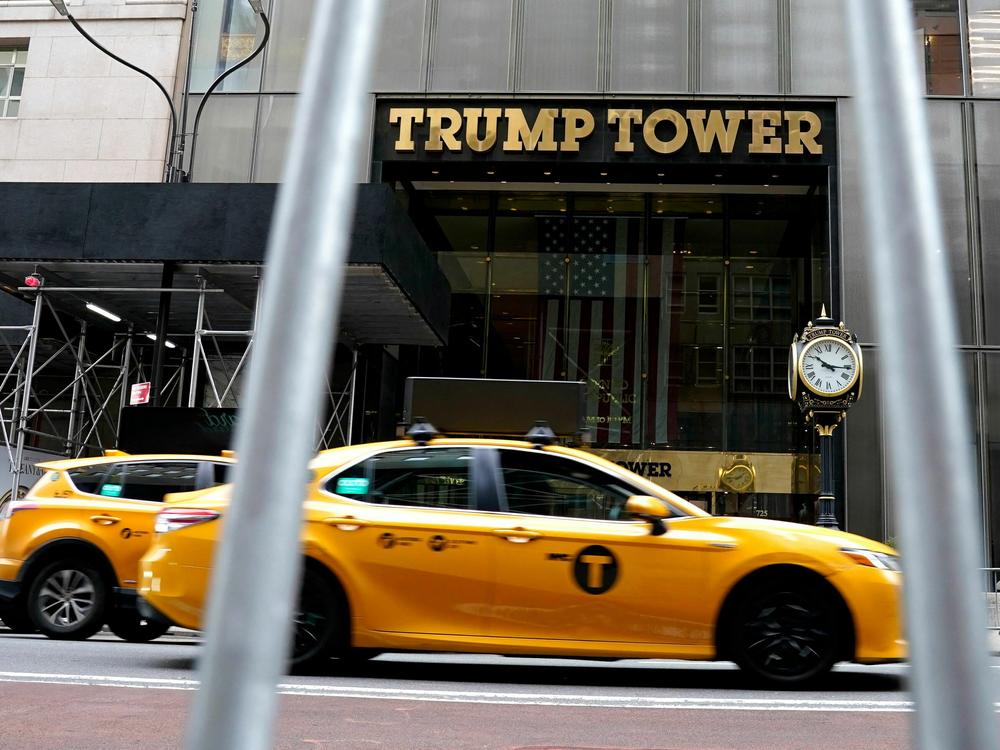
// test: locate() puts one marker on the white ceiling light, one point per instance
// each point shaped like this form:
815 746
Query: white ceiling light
101 311
168 343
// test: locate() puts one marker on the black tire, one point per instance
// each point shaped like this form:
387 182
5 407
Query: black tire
130 626
356 657
15 616
786 631
319 622
68 598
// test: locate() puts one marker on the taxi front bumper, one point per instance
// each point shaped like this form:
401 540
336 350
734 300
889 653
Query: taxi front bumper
875 600
9 591
10 584
172 592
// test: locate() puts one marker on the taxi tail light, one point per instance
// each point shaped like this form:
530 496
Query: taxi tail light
9 508
171 519
21 505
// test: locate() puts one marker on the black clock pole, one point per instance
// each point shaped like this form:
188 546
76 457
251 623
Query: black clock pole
827 501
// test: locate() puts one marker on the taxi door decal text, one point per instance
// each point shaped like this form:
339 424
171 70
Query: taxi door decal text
595 569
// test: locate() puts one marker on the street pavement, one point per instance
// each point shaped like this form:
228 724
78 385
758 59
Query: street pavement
105 694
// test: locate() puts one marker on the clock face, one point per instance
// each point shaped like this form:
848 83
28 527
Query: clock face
828 366
738 478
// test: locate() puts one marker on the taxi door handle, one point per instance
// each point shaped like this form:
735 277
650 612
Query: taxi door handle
517 536
345 523
105 520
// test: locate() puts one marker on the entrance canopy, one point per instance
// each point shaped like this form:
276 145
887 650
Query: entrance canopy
110 237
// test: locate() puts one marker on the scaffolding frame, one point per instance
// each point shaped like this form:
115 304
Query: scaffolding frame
97 384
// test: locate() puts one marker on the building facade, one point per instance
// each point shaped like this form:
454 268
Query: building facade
651 196
69 113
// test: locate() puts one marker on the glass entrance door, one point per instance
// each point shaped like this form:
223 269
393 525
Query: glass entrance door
675 307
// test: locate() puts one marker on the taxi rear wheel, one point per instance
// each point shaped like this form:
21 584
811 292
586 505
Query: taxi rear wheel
67 599
319 621
786 632
131 626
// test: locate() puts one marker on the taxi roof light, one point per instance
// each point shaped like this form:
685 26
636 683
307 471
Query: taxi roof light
541 434
422 431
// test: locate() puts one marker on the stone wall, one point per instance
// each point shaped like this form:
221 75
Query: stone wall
84 117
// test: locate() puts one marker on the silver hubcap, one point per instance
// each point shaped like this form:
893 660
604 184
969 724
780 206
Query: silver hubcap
66 598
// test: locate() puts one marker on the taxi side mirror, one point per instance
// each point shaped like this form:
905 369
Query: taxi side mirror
649 509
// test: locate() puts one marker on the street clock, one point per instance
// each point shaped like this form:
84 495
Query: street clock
825 368
825 375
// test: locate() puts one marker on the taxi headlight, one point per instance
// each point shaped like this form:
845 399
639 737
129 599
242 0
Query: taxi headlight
871 559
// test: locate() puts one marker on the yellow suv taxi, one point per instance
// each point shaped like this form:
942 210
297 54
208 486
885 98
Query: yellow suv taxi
509 547
70 549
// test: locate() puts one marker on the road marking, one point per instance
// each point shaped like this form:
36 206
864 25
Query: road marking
488 696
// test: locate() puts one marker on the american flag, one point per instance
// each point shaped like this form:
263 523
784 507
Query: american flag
591 324
588 261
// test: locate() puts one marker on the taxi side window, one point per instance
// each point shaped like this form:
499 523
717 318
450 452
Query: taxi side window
426 477
221 474
547 485
88 478
114 482
151 480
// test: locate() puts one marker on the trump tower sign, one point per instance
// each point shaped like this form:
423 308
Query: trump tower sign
633 132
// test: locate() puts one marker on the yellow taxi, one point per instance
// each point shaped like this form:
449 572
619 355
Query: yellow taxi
70 549
510 547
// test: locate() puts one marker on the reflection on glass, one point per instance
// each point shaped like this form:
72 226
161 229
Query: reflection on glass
225 33
679 324
988 174
289 37
984 46
274 129
937 31
225 138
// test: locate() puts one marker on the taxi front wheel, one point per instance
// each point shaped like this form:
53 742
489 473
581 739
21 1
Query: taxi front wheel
130 626
319 621
786 632
67 599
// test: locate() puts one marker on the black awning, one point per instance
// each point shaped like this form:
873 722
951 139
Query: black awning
82 233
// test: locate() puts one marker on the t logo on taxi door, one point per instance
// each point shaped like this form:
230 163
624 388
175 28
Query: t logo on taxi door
595 569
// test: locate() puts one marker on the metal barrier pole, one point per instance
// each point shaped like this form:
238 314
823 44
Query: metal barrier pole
927 417
254 582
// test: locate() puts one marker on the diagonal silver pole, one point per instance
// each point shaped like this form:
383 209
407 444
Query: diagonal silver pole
25 405
927 417
255 579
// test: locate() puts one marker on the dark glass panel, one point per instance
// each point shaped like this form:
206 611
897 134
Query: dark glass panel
684 337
